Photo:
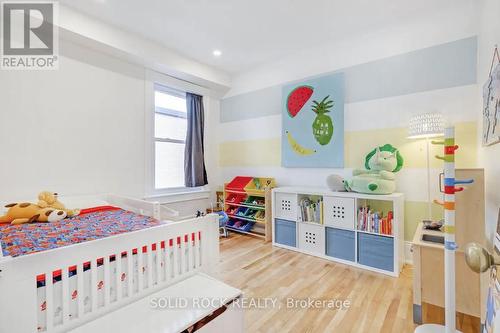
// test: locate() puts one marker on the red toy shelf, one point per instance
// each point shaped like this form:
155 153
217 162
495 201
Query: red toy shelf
247 201
238 183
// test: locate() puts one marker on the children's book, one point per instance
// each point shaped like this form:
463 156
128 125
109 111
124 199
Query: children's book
374 221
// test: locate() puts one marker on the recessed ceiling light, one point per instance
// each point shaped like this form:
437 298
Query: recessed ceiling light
217 53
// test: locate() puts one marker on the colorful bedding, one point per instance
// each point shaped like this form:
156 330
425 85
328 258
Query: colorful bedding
91 224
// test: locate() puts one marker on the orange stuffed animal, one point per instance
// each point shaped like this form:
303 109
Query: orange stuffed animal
26 212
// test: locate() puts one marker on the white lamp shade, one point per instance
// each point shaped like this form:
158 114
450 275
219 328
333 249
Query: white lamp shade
426 125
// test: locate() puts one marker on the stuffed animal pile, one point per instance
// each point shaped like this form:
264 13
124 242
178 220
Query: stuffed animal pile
47 209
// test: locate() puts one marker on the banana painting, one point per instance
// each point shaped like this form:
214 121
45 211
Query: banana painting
297 148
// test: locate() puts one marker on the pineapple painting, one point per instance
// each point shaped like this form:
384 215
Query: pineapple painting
322 125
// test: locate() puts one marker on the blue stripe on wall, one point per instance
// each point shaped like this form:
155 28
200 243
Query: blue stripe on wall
259 103
442 66
438 67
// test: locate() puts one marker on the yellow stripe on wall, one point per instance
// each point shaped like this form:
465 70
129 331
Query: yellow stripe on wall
358 144
267 152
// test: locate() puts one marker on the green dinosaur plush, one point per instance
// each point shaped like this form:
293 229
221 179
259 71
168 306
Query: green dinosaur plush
379 177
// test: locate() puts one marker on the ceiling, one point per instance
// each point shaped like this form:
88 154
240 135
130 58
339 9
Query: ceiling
251 32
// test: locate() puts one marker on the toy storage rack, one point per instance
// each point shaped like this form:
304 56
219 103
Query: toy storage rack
239 195
336 237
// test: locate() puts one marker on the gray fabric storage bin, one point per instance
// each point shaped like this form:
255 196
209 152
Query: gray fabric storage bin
340 244
376 251
285 232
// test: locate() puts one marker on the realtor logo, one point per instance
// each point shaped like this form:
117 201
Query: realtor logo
29 35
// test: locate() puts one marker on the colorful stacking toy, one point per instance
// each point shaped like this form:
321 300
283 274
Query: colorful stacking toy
450 188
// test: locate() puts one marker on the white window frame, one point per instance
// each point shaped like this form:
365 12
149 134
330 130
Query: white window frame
171 113
155 80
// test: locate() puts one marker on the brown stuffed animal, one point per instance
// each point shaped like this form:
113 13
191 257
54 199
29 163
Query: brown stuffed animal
49 199
26 212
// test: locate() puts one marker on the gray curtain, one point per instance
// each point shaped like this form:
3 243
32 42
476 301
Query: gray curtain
194 159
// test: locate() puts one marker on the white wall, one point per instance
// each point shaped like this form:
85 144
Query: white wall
76 130
489 157
211 147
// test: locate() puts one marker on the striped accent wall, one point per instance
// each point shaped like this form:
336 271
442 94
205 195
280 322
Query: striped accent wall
380 102
443 66
267 152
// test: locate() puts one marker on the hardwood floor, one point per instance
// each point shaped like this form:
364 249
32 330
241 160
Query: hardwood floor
378 303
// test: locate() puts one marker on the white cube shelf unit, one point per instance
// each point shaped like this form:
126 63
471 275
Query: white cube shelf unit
340 236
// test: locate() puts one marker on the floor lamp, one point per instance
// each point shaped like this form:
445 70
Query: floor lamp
427 126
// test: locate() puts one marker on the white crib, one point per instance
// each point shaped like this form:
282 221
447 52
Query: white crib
101 276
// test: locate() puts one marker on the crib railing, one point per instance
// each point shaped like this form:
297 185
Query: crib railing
57 290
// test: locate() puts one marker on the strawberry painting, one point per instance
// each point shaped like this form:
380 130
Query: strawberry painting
297 99
322 124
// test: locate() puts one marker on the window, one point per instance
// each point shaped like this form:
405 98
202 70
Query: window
170 126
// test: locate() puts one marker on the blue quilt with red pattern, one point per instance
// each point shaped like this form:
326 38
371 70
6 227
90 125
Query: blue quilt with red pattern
18 240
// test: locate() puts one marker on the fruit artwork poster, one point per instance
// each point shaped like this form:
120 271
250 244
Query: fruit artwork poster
313 123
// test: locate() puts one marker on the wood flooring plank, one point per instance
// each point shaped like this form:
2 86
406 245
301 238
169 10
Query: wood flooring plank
378 303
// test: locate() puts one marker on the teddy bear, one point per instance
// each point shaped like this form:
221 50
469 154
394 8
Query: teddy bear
26 212
48 199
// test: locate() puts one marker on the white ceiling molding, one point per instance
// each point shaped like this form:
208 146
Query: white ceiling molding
86 31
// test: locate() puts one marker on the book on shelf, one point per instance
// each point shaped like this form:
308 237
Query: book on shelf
374 221
311 211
